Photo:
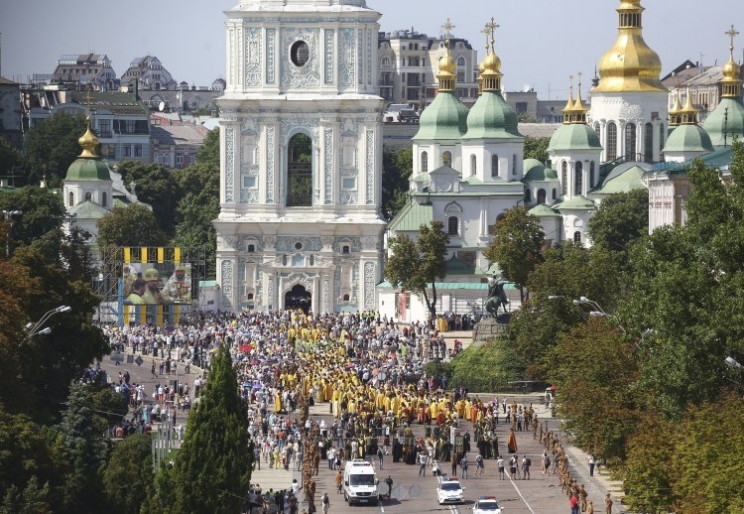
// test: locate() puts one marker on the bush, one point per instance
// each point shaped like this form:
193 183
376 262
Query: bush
487 368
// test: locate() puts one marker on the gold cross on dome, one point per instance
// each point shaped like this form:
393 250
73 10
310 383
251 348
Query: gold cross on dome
492 26
487 32
448 28
579 75
732 33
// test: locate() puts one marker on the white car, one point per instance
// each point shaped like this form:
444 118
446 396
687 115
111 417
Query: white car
487 505
450 491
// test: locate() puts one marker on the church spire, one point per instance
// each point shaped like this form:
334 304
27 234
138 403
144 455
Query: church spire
731 83
630 65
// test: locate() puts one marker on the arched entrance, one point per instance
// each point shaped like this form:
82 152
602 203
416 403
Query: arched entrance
298 298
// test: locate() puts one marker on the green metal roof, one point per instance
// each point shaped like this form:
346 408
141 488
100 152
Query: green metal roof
574 136
627 181
457 266
88 210
444 119
727 117
88 169
688 138
577 203
535 171
718 159
473 181
411 217
543 211
492 118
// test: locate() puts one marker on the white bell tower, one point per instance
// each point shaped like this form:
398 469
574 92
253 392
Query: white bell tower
301 147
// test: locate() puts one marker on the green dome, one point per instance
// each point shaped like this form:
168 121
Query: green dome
88 169
574 136
492 118
543 211
445 118
688 138
534 170
734 122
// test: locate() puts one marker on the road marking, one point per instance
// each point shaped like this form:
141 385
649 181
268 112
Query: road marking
519 493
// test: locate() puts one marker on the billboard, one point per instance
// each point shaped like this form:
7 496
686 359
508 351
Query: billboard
156 283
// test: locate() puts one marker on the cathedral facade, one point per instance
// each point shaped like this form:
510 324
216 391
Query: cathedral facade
300 170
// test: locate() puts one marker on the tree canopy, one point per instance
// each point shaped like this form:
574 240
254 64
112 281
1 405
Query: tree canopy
134 225
416 265
51 146
620 219
397 167
517 245
536 148
156 186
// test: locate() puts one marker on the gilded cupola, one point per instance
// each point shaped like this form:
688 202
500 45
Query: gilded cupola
630 65
447 75
88 142
731 83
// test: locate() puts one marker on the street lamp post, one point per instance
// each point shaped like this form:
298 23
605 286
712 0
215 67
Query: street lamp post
8 216
35 329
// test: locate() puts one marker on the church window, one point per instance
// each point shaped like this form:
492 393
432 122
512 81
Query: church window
249 297
298 246
300 172
348 183
461 61
611 141
578 178
346 297
473 164
661 135
453 226
494 166
648 143
88 196
251 248
424 162
345 250
596 128
299 53
104 199
71 199
385 63
514 165
527 196
630 141
564 177
540 196
591 175
577 237
555 193
447 159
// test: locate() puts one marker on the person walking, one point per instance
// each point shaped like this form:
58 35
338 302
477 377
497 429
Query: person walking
464 466
422 458
590 508
380 455
339 480
479 464
591 465
500 464
574 502
326 502
582 497
526 463
608 504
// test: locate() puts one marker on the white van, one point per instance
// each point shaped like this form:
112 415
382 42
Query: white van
360 482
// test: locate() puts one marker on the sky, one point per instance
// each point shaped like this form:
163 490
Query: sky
540 42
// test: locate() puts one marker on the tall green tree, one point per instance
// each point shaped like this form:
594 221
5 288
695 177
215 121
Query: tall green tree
536 148
593 369
128 477
10 158
33 499
51 146
621 219
199 204
156 186
517 246
397 167
134 225
87 451
41 219
213 468
416 265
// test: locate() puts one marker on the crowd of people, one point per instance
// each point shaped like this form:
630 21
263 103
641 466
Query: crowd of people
367 371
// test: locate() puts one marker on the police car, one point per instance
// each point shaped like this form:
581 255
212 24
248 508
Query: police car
450 491
486 505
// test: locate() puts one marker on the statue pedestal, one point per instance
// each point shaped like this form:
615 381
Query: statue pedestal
488 329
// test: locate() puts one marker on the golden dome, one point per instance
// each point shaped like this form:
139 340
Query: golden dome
630 65
447 64
731 84
88 142
687 114
674 113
